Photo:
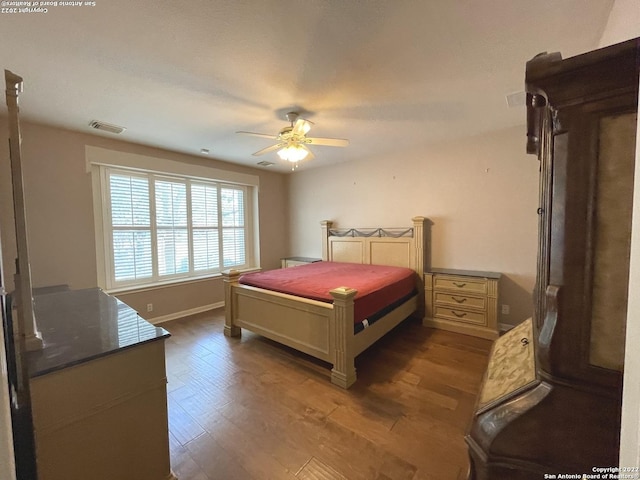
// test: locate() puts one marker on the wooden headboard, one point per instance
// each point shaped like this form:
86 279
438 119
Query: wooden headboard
402 247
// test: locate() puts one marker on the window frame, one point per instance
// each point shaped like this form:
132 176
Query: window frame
128 164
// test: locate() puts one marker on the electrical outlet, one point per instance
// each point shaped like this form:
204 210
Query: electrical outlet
150 307
505 309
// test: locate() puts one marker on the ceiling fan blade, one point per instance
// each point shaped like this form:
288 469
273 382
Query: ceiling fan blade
263 135
268 149
310 155
301 127
328 142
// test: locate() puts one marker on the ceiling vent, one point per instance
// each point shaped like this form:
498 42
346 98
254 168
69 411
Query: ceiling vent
107 127
264 163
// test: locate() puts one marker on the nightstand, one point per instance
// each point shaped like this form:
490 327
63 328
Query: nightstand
462 301
295 261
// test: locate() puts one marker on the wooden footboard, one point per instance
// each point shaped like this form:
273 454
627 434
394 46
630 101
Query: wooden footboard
322 330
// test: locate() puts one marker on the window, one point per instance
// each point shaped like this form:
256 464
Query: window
159 228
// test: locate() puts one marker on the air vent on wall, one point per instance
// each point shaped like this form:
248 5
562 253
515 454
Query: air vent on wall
107 127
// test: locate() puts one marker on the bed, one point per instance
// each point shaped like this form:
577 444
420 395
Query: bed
328 330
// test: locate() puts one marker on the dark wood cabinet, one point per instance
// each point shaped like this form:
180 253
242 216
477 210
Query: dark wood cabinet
581 123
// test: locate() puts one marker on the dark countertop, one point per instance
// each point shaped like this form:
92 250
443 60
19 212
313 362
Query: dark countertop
82 325
466 273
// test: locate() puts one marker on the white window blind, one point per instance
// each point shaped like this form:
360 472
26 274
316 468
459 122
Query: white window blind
206 234
161 228
131 227
233 240
172 240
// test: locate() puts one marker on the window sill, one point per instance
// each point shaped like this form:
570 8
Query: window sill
171 283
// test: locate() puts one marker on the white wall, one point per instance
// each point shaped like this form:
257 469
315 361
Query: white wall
481 193
624 24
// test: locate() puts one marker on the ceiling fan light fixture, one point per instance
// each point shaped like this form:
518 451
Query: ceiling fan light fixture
292 141
293 153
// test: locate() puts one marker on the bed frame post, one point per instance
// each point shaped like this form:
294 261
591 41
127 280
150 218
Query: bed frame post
230 280
418 238
326 226
341 328
418 241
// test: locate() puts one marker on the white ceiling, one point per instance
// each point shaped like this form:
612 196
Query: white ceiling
386 74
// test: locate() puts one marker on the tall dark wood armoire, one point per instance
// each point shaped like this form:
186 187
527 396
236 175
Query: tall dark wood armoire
552 394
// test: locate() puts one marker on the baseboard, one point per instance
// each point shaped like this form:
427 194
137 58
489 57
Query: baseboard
185 313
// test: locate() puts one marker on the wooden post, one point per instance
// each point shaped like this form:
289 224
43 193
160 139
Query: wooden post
418 241
428 298
230 280
326 226
418 238
26 323
341 328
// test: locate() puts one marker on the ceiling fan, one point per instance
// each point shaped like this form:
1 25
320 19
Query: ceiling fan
292 141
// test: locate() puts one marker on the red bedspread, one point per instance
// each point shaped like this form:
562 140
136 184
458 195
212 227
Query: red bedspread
377 285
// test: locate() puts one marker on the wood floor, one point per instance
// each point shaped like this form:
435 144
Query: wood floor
251 409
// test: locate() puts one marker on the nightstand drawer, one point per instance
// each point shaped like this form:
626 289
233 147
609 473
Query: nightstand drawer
459 315
460 300
461 284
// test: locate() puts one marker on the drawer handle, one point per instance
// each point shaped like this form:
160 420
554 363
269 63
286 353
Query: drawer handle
458 300
459 315
459 285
